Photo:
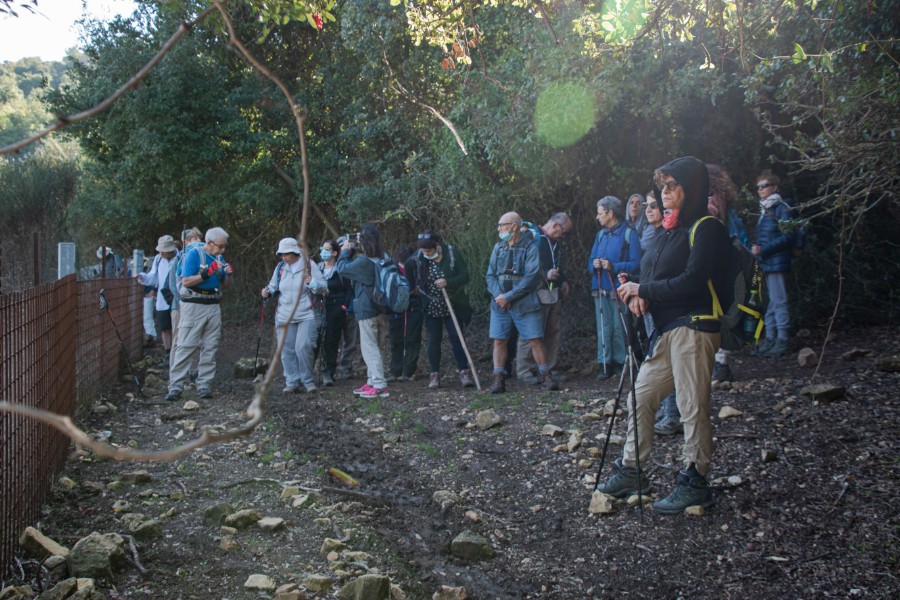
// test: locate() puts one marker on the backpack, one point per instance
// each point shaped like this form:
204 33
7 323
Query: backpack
390 294
741 308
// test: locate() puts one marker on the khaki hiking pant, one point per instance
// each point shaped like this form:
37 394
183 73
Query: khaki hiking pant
199 329
552 319
682 359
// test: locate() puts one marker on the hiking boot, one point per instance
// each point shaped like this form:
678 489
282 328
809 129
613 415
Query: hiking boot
624 482
466 379
391 378
778 348
763 347
173 396
691 489
722 372
547 382
434 381
290 389
498 386
327 379
604 371
204 393
529 379
311 388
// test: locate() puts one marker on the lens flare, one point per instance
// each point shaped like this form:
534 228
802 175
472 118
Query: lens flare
564 113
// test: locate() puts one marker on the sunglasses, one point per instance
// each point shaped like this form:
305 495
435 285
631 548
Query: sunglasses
653 206
667 185
763 186
426 236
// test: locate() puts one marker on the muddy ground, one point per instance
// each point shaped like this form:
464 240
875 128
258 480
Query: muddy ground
818 521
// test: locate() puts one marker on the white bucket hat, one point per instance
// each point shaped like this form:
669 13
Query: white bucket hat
166 244
288 246
100 251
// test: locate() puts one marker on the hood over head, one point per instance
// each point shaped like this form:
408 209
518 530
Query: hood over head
693 176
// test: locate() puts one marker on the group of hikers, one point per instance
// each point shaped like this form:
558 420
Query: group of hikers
656 254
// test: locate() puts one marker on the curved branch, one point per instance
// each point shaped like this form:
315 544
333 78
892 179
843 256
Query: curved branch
132 83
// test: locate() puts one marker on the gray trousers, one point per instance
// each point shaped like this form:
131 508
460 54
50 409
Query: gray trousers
199 330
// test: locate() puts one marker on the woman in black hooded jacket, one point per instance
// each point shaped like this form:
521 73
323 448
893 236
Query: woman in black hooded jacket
674 289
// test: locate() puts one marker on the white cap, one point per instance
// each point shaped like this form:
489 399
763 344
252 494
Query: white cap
288 246
100 251
166 244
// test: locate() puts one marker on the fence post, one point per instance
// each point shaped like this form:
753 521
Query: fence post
37 258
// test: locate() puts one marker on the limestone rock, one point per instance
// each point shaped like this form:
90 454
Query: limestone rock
40 545
148 530
271 523
585 463
228 543
331 544
397 593
97 555
696 511
574 441
245 368
633 499
591 416
290 492
286 588
367 587
823 392
594 452
601 504
141 476
552 430
216 514
20 591
191 405
291 595
243 518
856 353
769 455
318 583
302 501
450 593
487 419
807 357
471 546
63 589
66 484
726 412
888 364
260 582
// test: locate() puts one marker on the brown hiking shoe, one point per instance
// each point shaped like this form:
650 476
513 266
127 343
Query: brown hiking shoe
498 386
434 381
466 379
547 383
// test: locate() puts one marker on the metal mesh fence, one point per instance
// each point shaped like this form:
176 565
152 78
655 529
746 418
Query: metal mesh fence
57 349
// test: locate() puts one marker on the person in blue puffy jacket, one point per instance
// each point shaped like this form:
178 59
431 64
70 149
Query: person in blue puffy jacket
773 249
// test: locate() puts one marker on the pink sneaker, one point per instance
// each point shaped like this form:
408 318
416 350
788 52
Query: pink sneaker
361 391
373 392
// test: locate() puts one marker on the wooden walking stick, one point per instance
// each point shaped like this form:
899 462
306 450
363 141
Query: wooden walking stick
462 340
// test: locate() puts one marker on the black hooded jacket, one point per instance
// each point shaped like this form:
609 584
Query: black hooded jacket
674 274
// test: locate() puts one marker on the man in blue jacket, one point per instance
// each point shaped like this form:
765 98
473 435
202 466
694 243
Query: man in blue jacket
513 276
773 249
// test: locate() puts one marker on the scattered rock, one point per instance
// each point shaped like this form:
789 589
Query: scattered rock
487 419
290 492
391 437
735 480
121 506
561 448
807 357
585 463
228 544
367 587
331 544
769 455
216 514
574 440
291 595
471 546
318 583
64 589
148 530
888 364
601 504
473 516
726 412
594 452
644 499
40 545
397 593
591 416
445 498
243 518
93 486
356 556
286 588
97 555
823 392
451 593
302 501
191 405
64 483
21 591
552 430
245 368
271 523
260 582
136 477
696 511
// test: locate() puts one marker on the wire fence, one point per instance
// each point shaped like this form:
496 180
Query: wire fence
58 351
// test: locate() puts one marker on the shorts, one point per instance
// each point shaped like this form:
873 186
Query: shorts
164 320
530 325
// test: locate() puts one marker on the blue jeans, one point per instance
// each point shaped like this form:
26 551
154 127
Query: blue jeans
610 333
297 353
778 318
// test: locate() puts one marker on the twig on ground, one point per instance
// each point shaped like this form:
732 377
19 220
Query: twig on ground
361 496
134 554
251 480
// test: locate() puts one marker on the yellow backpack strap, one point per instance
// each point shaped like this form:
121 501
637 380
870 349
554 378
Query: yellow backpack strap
717 311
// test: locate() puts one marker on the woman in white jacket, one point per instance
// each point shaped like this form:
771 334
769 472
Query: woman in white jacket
297 354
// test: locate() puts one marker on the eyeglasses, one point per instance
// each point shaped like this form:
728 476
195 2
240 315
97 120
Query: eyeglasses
762 186
218 245
502 225
653 206
667 185
427 236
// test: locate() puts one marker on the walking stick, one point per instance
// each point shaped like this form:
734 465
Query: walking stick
600 310
262 316
462 340
612 420
104 305
629 338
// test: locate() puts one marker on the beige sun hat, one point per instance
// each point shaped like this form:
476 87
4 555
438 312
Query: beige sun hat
288 246
166 244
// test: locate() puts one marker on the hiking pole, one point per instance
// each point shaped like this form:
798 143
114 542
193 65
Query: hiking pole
462 340
610 428
600 310
629 337
262 316
104 305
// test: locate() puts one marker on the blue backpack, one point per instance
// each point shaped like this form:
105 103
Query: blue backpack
390 294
